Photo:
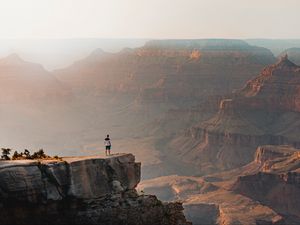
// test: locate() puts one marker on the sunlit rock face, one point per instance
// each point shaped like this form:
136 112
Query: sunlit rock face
84 190
265 111
262 192
277 185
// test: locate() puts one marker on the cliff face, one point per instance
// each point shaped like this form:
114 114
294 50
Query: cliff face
265 111
86 190
264 191
276 88
175 72
277 185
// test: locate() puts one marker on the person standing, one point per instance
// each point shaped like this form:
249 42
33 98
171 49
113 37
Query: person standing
107 144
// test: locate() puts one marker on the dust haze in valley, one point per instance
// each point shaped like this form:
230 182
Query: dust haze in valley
141 94
199 114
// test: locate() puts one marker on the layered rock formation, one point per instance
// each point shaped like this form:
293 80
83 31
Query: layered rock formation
146 91
169 71
265 111
277 185
84 190
262 192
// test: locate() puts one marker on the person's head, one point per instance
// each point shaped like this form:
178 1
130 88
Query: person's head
107 135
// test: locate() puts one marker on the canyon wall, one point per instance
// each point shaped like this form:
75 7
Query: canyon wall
265 111
262 192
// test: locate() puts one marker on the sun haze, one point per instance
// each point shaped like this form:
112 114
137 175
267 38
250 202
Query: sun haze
149 19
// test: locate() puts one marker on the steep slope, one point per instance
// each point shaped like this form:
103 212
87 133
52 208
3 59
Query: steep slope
265 111
80 190
277 185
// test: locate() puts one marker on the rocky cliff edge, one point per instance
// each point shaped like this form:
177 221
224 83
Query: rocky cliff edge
80 190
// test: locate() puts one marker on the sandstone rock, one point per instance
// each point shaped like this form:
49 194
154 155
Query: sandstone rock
264 112
202 214
278 184
262 192
82 190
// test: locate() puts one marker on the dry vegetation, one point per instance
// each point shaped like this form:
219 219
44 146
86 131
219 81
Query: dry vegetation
40 154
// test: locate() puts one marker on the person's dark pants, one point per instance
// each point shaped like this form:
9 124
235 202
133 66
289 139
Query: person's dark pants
107 150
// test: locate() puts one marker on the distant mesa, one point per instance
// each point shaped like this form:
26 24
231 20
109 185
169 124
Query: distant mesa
213 44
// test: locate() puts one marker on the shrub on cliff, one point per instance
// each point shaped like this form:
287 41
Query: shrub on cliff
17 155
5 153
40 154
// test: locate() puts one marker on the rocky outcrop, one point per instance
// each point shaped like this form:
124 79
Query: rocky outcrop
83 190
262 192
275 89
278 183
270 152
278 191
265 111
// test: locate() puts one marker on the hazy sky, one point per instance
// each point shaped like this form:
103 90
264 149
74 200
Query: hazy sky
150 18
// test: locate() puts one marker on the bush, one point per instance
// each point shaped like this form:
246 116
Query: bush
40 154
27 154
5 153
17 155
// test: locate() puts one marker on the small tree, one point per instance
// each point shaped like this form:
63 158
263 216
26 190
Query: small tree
40 154
27 154
5 153
17 155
